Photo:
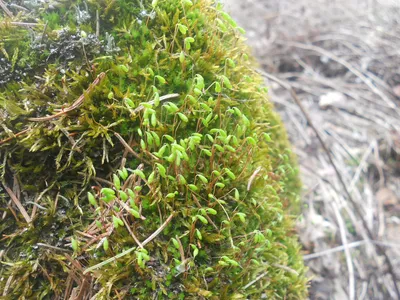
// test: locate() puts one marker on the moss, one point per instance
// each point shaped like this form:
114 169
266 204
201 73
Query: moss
158 129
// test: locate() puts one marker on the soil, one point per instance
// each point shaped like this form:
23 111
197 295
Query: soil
341 58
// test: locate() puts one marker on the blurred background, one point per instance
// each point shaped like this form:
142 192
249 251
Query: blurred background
341 61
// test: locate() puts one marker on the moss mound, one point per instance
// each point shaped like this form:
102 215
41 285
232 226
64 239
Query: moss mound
140 157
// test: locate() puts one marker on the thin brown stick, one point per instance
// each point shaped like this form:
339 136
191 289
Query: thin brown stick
131 232
74 105
129 148
105 181
53 247
208 218
380 249
14 136
74 262
123 160
181 251
12 211
68 284
83 288
126 252
95 239
18 204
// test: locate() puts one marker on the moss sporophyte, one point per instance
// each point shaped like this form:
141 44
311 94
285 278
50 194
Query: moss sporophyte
140 157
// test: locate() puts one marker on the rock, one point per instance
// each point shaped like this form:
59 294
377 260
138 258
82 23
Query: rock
331 99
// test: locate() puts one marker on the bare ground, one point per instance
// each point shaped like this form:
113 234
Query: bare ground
341 60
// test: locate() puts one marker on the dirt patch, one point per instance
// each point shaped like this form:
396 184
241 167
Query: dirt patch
341 58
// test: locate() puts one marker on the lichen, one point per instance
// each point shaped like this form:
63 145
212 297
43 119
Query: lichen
147 159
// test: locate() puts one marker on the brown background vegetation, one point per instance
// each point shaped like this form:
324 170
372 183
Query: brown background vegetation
342 59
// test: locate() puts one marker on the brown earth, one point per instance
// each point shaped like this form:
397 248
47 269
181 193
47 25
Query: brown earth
342 58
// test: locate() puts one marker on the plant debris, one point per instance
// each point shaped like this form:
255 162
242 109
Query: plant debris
342 60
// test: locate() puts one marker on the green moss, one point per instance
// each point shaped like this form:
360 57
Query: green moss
208 167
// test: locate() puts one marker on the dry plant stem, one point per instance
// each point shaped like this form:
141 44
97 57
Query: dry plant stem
105 181
286 268
207 217
18 204
162 98
158 231
145 242
74 105
83 289
19 7
252 177
123 160
12 212
342 229
53 247
349 246
255 280
5 8
9 280
131 232
129 148
23 24
380 249
334 250
97 23
13 137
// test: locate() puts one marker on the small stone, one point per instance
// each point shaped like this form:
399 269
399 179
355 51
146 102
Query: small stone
331 99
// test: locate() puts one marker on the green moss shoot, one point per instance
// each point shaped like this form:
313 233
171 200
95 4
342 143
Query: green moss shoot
140 157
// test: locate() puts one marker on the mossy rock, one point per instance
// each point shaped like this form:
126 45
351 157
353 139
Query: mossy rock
140 157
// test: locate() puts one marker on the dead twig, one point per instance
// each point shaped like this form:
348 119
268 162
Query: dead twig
126 252
129 148
5 8
7 286
53 247
24 24
97 23
131 232
207 216
252 177
255 280
74 105
286 268
342 230
14 136
18 204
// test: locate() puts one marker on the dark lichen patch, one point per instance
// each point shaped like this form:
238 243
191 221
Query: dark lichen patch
145 151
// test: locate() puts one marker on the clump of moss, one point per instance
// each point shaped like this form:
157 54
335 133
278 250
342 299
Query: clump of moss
140 157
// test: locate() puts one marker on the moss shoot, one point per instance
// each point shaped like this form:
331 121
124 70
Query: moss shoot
140 157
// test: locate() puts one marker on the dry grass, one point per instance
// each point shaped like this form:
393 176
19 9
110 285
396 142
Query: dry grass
342 58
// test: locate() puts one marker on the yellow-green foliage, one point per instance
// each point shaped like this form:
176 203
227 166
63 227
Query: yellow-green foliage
157 129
